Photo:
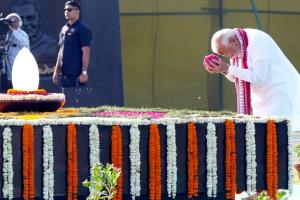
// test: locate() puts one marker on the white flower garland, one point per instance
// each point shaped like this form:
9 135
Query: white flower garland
32 97
290 157
211 160
8 173
94 143
48 163
171 160
250 157
135 161
128 122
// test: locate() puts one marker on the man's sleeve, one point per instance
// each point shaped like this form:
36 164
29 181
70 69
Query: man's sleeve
85 37
21 37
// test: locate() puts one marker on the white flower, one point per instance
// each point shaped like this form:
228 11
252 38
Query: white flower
171 160
48 163
30 97
250 157
7 164
94 144
211 160
135 161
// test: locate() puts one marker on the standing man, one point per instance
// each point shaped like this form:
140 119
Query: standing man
74 49
264 78
16 39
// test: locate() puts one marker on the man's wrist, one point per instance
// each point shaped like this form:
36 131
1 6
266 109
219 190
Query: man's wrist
225 72
84 72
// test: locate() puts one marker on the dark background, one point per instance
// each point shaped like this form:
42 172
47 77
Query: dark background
105 85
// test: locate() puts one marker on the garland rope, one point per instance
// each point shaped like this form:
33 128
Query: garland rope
116 157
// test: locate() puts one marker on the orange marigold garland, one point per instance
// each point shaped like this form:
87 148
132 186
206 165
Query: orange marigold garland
272 170
28 162
25 148
72 165
31 162
22 92
192 161
154 163
230 160
116 157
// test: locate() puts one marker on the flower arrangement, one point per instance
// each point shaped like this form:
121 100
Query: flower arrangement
130 114
19 92
103 181
210 58
136 175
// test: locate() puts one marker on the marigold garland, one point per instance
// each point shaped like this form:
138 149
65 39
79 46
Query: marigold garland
192 161
230 160
28 162
154 163
116 157
272 176
72 165
22 92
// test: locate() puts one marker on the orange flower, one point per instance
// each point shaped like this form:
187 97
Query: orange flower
25 148
28 161
272 153
21 92
154 163
117 157
72 166
192 161
230 160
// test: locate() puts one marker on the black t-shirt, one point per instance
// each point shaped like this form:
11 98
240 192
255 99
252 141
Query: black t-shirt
72 39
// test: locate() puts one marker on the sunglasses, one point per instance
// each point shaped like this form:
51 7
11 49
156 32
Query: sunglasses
69 9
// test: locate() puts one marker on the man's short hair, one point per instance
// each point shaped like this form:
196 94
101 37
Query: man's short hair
73 3
223 36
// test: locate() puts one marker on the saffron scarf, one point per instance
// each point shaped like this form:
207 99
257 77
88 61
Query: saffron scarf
242 87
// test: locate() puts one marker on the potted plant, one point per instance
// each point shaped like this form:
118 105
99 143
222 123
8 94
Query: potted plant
297 165
102 182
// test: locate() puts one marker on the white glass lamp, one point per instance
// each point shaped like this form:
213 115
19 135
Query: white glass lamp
25 72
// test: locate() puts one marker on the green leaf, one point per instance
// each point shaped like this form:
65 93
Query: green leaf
103 181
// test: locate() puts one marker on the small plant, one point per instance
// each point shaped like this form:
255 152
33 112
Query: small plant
297 151
102 182
280 194
262 196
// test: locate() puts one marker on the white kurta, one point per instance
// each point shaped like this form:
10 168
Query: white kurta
275 83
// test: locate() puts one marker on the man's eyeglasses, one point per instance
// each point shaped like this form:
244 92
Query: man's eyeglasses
69 9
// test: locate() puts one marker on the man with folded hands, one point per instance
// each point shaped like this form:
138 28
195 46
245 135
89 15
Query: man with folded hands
265 79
